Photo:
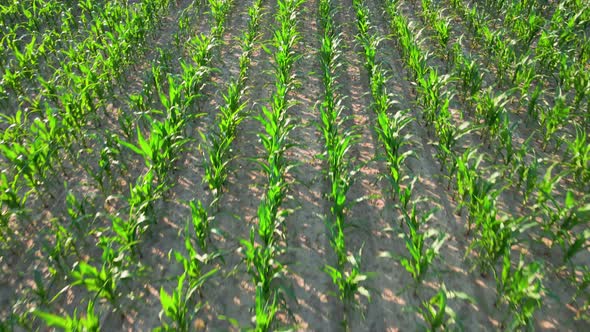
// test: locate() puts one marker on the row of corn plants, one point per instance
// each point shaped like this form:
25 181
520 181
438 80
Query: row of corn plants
494 235
528 179
159 151
218 142
491 108
558 219
434 94
531 68
166 138
346 274
262 258
422 244
74 92
60 111
182 306
73 68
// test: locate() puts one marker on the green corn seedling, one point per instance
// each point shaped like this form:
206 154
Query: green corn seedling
579 150
522 289
90 323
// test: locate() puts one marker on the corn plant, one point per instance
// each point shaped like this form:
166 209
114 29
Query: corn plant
176 307
194 262
390 134
527 172
553 118
505 135
201 223
448 136
423 246
219 11
432 95
546 202
263 269
579 161
525 74
482 197
421 254
573 215
522 289
142 196
275 142
436 313
103 281
469 74
35 160
11 203
162 147
581 83
583 288
216 163
180 307
74 323
349 282
491 110
218 143
467 165
495 235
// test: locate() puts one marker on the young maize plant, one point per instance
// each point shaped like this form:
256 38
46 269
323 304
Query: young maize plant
421 254
176 307
553 118
89 323
546 205
522 289
166 138
491 111
104 282
219 11
436 313
423 246
579 151
493 236
468 75
11 204
34 157
390 134
482 195
527 172
570 217
525 75
180 307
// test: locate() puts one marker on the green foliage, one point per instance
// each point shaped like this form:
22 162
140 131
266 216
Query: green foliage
90 323
522 289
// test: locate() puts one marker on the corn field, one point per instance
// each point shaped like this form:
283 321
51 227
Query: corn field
295 165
